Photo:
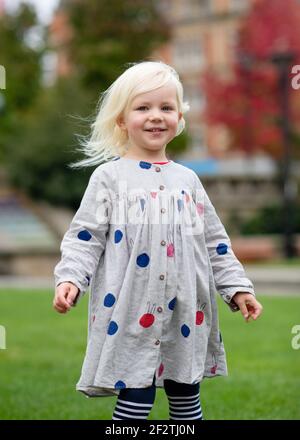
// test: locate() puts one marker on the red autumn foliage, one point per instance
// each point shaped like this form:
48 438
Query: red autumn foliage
248 103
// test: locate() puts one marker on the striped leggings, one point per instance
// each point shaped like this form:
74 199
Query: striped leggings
136 403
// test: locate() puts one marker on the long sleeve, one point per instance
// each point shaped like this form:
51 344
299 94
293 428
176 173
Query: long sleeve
84 241
229 274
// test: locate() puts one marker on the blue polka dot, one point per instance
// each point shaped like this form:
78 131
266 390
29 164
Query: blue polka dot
88 280
182 192
185 330
221 337
112 328
120 384
117 158
172 304
118 236
145 165
179 204
109 300
84 235
222 248
142 260
142 202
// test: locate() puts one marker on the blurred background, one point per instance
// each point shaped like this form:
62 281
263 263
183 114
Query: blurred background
239 62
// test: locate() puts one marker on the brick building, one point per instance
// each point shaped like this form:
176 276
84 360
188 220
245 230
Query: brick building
203 37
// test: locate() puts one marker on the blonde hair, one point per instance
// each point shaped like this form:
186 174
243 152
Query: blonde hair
108 140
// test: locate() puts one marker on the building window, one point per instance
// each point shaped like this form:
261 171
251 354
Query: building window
164 6
195 97
197 139
238 5
195 8
233 39
188 55
49 68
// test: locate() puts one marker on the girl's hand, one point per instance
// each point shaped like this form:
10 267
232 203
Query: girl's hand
65 296
248 305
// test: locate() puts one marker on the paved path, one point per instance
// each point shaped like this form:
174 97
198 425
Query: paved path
273 280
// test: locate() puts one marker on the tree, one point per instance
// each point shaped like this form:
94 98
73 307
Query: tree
104 37
253 114
45 144
108 34
22 65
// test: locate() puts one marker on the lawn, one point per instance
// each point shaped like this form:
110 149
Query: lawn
44 353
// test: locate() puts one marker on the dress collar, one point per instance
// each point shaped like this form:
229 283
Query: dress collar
146 165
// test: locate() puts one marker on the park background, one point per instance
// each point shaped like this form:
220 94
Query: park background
238 61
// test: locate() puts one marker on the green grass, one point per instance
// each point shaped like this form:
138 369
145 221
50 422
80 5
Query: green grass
44 354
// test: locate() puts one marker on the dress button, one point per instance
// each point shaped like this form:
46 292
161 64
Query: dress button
157 342
163 210
161 187
159 309
157 169
161 277
163 243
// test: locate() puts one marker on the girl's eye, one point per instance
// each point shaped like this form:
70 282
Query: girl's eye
165 107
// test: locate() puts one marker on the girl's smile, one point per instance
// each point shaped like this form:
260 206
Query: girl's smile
156 132
151 121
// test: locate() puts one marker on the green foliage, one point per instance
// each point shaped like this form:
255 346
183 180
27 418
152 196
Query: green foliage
22 62
38 158
107 35
269 220
38 131
179 144
23 71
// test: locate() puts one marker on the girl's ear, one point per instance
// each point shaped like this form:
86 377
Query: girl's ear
180 116
120 122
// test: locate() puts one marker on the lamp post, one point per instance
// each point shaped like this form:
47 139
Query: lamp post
282 61
246 61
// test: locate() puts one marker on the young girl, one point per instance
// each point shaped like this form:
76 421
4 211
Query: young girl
149 241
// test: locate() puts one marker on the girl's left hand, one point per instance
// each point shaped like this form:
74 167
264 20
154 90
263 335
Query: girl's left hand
248 305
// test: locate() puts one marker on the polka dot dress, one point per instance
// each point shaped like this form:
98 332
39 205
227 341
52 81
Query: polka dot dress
149 245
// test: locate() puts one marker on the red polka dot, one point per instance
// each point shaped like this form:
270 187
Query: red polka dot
147 320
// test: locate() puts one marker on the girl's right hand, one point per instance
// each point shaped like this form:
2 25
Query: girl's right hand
65 296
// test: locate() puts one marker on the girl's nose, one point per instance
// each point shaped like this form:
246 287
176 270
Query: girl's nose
155 116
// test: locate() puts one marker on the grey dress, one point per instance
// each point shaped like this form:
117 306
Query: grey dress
148 241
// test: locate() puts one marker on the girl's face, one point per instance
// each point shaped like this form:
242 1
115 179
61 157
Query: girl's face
155 109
